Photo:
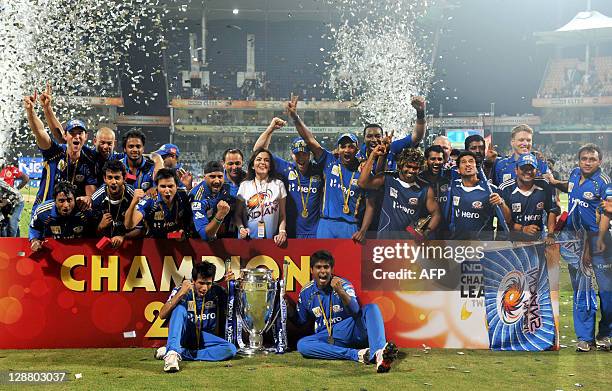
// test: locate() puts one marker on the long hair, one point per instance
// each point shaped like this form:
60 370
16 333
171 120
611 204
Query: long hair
251 170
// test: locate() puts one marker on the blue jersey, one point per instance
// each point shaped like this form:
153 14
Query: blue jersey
57 167
47 223
530 207
144 174
99 161
469 212
101 204
584 199
204 207
309 306
340 181
504 169
395 148
303 190
403 205
159 220
233 187
212 315
439 184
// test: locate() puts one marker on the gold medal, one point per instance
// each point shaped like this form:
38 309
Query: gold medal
346 209
305 213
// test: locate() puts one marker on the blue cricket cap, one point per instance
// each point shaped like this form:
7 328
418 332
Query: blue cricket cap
75 124
527 159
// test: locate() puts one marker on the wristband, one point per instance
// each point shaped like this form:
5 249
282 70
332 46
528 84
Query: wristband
296 119
420 114
220 221
282 231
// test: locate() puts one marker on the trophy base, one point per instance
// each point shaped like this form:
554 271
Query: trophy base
250 352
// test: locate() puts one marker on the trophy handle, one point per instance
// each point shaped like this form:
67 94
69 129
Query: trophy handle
274 310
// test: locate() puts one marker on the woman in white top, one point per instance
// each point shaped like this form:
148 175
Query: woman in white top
260 206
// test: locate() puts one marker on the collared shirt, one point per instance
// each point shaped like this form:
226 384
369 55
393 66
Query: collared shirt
213 314
403 205
101 204
159 220
338 184
47 223
303 189
309 307
144 174
233 186
530 207
469 211
505 168
57 167
204 207
584 199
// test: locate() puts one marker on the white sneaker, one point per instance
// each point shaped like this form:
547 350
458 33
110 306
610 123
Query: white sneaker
385 356
363 356
171 360
160 353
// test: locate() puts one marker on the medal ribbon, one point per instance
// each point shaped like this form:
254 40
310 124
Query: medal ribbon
304 204
348 190
198 323
327 323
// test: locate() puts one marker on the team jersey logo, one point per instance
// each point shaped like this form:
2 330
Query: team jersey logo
316 178
79 178
506 177
570 186
510 297
190 305
456 200
393 192
78 229
317 312
444 188
588 195
292 175
336 308
209 304
335 170
196 206
540 206
516 207
258 199
56 229
159 215
477 205
413 201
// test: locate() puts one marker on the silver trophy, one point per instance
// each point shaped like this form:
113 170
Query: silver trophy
257 294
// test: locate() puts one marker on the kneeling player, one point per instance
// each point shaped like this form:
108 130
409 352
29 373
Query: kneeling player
341 326
196 310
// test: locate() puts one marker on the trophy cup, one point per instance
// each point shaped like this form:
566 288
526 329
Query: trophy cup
257 294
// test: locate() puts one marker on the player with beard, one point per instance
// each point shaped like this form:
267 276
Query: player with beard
62 162
168 212
434 175
586 187
213 205
343 329
343 201
406 199
470 210
110 203
531 201
233 159
302 177
521 142
446 146
197 320
59 218
373 136
140 170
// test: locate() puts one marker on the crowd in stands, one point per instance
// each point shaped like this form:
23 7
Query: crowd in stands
570 78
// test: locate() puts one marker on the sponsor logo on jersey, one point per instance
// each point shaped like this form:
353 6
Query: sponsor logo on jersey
516 207
196 205
79 178
209 304
588 195
336 308
444 188
540 206
413 201
78 229
393 192
477 205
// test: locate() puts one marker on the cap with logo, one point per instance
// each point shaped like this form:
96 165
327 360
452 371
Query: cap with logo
168 149
527 159
299 145
75 124
350 136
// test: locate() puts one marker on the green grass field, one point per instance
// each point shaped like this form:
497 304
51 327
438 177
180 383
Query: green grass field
439 369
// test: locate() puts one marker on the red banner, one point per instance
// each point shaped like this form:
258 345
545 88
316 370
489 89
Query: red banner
73 295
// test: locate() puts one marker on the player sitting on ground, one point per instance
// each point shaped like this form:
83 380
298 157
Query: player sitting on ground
197 312
342 327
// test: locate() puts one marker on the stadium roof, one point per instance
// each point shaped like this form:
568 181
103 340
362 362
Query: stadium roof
585 27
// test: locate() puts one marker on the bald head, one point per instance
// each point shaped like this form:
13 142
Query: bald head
444 142
104 141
